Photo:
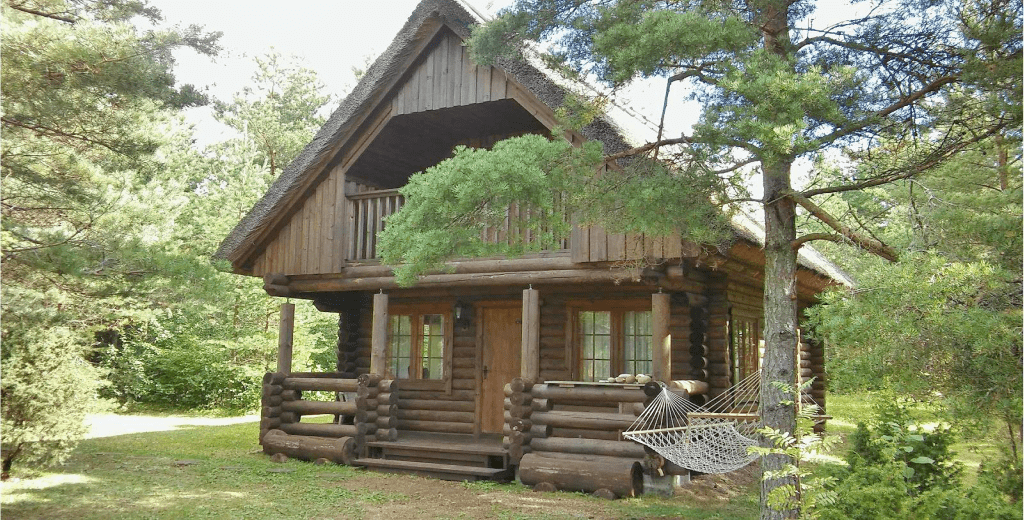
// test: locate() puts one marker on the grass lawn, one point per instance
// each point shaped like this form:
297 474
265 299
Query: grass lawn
218 472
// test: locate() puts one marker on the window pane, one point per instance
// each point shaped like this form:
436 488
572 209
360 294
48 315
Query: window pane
595 343
432 351
399 345
637 342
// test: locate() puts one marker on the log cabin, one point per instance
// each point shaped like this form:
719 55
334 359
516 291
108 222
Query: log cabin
496 368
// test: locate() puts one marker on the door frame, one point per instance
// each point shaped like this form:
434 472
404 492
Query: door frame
478 320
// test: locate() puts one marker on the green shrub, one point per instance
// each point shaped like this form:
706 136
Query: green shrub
45 392
899 470
892 435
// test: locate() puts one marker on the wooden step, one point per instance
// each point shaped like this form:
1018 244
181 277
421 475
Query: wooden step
430 469
444 444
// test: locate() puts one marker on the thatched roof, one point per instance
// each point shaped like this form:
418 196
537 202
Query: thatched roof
422 24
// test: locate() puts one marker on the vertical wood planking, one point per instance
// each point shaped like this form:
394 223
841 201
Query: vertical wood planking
427 83
469 74
483 84
441 90
314 235
616 246
598 244
673 246
455 69
327 249
497 84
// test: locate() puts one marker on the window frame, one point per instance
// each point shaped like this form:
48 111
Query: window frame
750 334
416 312
617 310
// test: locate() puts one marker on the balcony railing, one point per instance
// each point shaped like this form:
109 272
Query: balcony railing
367 210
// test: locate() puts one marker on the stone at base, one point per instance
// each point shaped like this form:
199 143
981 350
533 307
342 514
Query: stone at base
279 457
605 493
545 487
665 486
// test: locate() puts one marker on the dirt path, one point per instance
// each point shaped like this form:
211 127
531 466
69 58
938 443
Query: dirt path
109 424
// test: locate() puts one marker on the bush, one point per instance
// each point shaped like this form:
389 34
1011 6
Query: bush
46 390
899 470
926 458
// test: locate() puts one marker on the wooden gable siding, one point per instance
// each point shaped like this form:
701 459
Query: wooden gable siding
445 77
594 244
312 241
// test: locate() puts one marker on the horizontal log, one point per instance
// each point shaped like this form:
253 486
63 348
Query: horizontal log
541 405
321 384
369 392
270 423
370 379
326 375
567 276
691 386
433 426
273 378
289 417
269 390
544 263
386 422
341 450
282 291
590 394
390 435
623 477
366 416
388 386
274 400
320 407
427 404
584 421
435 415
519 399
270 411
387 398
589 447
573 433
387 410
324 429
519 384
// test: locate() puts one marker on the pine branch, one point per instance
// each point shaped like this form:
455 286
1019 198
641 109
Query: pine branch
844 232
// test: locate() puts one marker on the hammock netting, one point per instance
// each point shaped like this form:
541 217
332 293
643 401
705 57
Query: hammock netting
712 438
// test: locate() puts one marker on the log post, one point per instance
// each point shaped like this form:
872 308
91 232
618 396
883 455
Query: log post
379 335
531 335
284 338
661 363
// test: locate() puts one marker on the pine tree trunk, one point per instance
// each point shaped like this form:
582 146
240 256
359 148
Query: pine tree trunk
780 318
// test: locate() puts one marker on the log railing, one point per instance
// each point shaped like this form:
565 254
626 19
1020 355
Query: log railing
371 414
367 211
569 436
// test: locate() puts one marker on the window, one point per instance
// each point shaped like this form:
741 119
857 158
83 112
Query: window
612 342
745 353
417 344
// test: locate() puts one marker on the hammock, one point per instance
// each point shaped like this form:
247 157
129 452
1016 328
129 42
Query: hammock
710 439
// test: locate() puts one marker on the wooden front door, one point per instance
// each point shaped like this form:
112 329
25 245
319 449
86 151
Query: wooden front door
502 348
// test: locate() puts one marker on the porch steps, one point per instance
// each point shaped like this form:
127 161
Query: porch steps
443 456
434 470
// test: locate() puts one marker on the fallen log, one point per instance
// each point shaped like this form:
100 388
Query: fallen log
623 477
341 450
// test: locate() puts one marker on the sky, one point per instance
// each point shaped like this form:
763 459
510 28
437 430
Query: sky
330 37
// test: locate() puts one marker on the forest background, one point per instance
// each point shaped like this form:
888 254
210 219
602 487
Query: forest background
111 214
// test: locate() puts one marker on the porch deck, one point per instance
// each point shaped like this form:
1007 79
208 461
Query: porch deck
440 455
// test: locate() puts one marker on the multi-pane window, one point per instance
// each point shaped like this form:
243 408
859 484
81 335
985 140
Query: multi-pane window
746 347
596 343
612 342
637 342
416 344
